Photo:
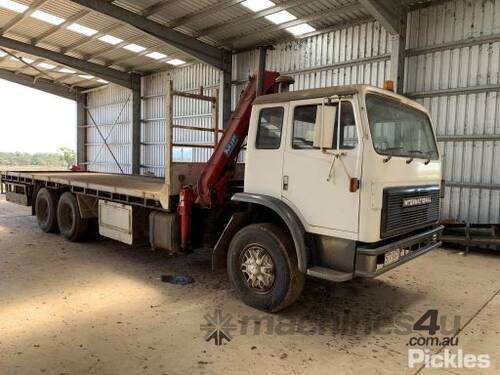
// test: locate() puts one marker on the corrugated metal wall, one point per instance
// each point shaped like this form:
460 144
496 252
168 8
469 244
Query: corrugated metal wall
459 85
106 104
357 54
187 112
154 123
111 109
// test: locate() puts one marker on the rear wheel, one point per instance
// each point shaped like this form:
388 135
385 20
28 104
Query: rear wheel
46 210
262 267
71 224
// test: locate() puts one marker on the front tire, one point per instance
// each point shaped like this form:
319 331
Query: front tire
262 267
71 224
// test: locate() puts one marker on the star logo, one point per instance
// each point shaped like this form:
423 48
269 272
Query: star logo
218 327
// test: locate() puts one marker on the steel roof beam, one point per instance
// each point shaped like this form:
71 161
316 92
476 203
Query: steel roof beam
247 18
41 84
426 4
386 12
158 7
392 15
201 51
111 75
27 65
251 39
203 12
63 76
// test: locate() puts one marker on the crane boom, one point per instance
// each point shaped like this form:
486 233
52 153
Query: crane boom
211 187
220 167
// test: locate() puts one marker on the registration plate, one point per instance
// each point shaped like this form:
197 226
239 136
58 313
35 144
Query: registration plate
392 256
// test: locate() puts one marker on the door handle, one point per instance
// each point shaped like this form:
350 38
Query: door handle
285 182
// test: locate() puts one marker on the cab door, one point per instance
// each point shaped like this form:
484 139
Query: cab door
316 183
265 147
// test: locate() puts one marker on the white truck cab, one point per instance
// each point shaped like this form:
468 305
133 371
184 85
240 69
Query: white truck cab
385 141
356 167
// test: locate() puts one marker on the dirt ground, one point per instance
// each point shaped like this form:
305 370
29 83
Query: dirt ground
101 308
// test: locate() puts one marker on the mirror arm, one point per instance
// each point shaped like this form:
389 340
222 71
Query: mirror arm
322 125
339 112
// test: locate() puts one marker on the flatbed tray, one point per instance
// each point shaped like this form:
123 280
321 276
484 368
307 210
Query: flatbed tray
147 188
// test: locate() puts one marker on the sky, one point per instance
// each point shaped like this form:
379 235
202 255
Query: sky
33 121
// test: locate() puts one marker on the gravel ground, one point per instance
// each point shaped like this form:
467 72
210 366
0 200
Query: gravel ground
101 308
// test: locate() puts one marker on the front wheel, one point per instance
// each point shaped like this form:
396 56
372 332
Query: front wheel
262 267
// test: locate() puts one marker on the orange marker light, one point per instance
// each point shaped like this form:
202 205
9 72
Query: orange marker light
389 85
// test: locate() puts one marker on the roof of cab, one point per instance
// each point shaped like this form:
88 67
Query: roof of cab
326 92
317 93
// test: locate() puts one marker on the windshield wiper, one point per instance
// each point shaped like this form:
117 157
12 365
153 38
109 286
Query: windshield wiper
427 154
389 157
412 152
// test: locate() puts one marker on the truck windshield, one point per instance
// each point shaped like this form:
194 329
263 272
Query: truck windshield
400 130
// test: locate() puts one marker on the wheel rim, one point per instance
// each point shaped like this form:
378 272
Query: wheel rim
66 217
257 267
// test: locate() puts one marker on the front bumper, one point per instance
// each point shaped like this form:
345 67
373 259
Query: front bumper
371 262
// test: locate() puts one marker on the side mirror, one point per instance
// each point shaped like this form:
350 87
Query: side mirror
324 128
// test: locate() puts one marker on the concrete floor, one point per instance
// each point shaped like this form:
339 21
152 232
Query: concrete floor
101 308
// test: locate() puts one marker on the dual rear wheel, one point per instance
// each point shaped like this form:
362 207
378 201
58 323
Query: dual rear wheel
55 213
46 210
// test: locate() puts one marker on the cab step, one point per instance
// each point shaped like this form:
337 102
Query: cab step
329 274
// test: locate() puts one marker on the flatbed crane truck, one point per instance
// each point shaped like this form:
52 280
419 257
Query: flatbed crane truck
339 183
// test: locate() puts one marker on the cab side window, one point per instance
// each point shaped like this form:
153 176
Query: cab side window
348 135
304 123
269 128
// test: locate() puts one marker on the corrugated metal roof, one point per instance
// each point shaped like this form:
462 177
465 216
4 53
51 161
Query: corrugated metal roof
223 23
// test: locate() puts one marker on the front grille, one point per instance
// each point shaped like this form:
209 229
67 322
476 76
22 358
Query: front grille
408 208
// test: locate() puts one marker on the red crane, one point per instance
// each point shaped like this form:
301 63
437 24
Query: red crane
212 185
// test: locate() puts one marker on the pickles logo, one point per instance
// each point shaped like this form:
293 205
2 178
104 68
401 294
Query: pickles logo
449 355
218 327
447 359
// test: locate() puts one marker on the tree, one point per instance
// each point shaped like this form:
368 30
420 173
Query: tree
68 156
